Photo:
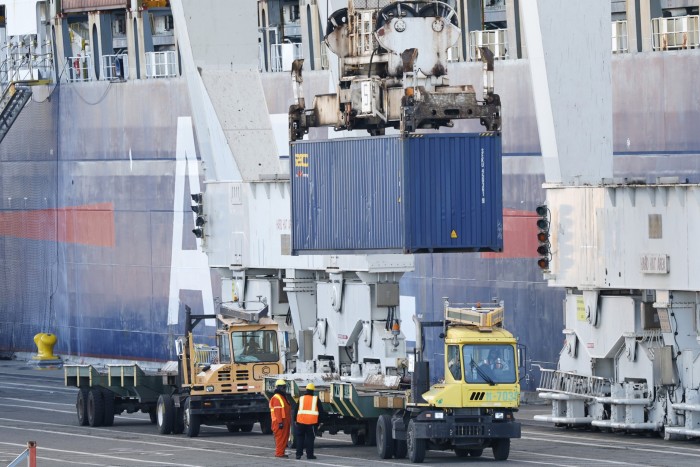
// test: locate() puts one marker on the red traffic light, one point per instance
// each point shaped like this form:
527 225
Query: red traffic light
543 237
543 263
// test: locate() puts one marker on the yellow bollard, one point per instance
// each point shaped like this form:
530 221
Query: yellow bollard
44 343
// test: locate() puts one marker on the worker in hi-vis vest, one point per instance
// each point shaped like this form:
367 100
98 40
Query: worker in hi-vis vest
308 412
281 413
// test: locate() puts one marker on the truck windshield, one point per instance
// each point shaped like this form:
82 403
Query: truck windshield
255 346
494 363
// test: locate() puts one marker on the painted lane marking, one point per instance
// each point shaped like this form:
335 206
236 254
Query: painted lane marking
165 445
6 385
669 447
37 402
102 456
24 446
612 446
577 458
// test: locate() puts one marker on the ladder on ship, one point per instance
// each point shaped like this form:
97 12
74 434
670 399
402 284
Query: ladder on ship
12 102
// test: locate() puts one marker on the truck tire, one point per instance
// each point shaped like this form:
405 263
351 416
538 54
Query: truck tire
232 428
153 415
416 446
475 452
192 421
247 428
81 406
266 425
385 442
400 448
501 449
164 414
108 397
461 452
357 438
95 407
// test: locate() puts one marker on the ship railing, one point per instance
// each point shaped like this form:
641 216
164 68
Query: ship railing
572 383
283 55
495 39
78 69
619 37
161 64
115 67
677 33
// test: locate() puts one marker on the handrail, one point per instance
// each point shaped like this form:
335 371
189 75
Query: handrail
29 455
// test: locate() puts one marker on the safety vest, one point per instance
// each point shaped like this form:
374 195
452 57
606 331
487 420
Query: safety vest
308 410
281 406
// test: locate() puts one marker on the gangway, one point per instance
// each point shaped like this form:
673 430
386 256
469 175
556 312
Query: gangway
13 101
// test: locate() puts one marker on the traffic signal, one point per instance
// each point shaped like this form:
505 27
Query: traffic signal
543 237
198 209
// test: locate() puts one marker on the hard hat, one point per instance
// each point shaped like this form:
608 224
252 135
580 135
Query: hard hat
280 382
310 387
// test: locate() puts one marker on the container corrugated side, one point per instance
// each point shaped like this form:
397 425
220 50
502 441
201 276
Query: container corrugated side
346 195
453 193
388 194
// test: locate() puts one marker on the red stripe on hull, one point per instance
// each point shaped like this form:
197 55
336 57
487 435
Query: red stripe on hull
91 224
519 235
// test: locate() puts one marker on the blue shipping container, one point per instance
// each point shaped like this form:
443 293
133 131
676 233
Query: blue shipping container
424 193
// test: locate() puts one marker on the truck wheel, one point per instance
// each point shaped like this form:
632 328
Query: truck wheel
461 452
416 446
108 397
400 448
232 428
357 438
385 442
501 450
371 434
95 407
247 428
475 452
192 421
266 425
81 406
164 414
153 415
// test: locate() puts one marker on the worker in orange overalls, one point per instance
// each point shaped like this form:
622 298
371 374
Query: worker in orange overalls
281 413
307 417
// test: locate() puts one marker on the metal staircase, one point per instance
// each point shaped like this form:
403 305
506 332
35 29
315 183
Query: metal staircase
13 100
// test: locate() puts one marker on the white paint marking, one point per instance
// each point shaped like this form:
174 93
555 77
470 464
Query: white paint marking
189 269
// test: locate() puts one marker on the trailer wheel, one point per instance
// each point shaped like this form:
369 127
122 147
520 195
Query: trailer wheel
164 414
232 428
416 446
108 397
192 421
357 438
501 450
81 406
266 425
95 407
400 449
247 428
385 443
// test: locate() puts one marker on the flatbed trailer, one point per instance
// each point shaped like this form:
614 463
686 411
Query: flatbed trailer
104 393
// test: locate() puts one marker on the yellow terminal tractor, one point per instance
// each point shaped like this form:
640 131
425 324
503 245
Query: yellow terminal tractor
223 384
474 408
220 384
